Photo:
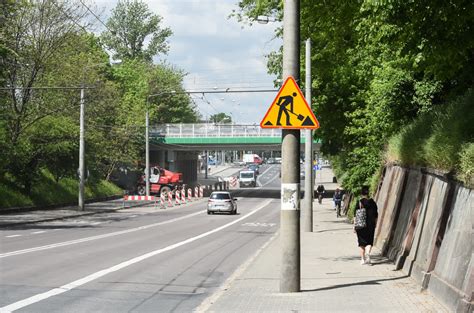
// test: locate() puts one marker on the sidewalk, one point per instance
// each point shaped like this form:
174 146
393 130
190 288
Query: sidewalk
332 278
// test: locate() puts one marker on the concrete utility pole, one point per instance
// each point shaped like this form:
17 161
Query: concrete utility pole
307 212
290 172
147 153
82 170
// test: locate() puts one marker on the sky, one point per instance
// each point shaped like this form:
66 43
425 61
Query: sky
216 52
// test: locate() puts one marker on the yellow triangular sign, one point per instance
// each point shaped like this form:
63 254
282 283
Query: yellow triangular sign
289 109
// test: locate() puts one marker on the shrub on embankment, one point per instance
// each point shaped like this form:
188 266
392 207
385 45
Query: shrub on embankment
48 191
441 139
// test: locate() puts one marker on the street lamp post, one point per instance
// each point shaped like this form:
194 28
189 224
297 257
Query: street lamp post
307 209
147 153
81 153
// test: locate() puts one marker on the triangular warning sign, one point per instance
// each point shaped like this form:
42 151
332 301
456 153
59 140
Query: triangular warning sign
289 109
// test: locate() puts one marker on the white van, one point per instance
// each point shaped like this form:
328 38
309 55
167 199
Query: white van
247 179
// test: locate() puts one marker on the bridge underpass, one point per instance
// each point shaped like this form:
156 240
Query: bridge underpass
177 147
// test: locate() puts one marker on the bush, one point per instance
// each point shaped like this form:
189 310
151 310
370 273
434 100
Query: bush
10 197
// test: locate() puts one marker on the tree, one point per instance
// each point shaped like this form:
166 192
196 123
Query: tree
36 32
128 28
377 65
220 118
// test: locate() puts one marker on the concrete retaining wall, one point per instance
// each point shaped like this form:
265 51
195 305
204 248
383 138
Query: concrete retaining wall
426 227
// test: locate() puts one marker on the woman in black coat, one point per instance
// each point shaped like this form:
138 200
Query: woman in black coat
365 236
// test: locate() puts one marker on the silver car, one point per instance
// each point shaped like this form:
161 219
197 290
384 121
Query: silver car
221 201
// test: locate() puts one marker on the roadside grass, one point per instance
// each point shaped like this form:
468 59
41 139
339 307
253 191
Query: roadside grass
46 191
466 165
442 140
10 197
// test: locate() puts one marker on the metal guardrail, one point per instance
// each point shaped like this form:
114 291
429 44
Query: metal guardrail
213 130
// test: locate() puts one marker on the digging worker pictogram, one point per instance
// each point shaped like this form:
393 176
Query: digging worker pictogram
283 103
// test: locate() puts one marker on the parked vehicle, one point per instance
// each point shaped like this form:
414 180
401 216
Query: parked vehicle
162 181
252 158
221 201
247 178
271 161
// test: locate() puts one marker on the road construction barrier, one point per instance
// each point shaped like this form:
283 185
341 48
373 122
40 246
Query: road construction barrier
177 197
233 181
139 198
201 191
196 192
190 194
183 195
162 200
170 198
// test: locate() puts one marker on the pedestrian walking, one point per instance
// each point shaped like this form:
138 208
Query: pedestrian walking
366 208
337 198
320 191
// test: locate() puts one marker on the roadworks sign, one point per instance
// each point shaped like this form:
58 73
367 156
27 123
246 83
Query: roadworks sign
290 109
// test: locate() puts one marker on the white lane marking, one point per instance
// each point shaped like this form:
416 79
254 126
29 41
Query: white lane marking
38 232
72 242
96 223
56 291
133 215
268 182
12 236
258 178
259 224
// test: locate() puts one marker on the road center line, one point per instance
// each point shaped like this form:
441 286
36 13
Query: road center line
76 241
56 291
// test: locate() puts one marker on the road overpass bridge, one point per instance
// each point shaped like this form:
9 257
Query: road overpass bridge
205 136
180 147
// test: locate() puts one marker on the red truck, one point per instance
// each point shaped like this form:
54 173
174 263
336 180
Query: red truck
161 181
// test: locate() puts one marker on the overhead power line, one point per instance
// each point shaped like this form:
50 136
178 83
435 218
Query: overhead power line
95 15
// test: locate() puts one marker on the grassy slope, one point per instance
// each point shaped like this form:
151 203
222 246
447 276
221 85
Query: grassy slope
47 192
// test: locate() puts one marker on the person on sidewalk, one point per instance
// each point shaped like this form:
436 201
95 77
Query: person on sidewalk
320 191
365 236
337 198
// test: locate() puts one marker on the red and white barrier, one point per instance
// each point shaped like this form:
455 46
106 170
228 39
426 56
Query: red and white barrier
177 197
190 194
170 198
139 198
196 192
183 195
162 200
233 181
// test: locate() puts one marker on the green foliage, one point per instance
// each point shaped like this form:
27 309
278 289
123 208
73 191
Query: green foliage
438 139
48 191
220 118
379 68
39 128
466 165
130 26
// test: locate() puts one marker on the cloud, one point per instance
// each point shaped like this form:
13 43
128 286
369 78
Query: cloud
216 51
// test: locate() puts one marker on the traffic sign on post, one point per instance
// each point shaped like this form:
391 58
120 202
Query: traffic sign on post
289 109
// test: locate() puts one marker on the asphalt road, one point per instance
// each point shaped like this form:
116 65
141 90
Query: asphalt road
135 260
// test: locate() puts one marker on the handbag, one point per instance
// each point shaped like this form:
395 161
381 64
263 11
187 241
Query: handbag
360 217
